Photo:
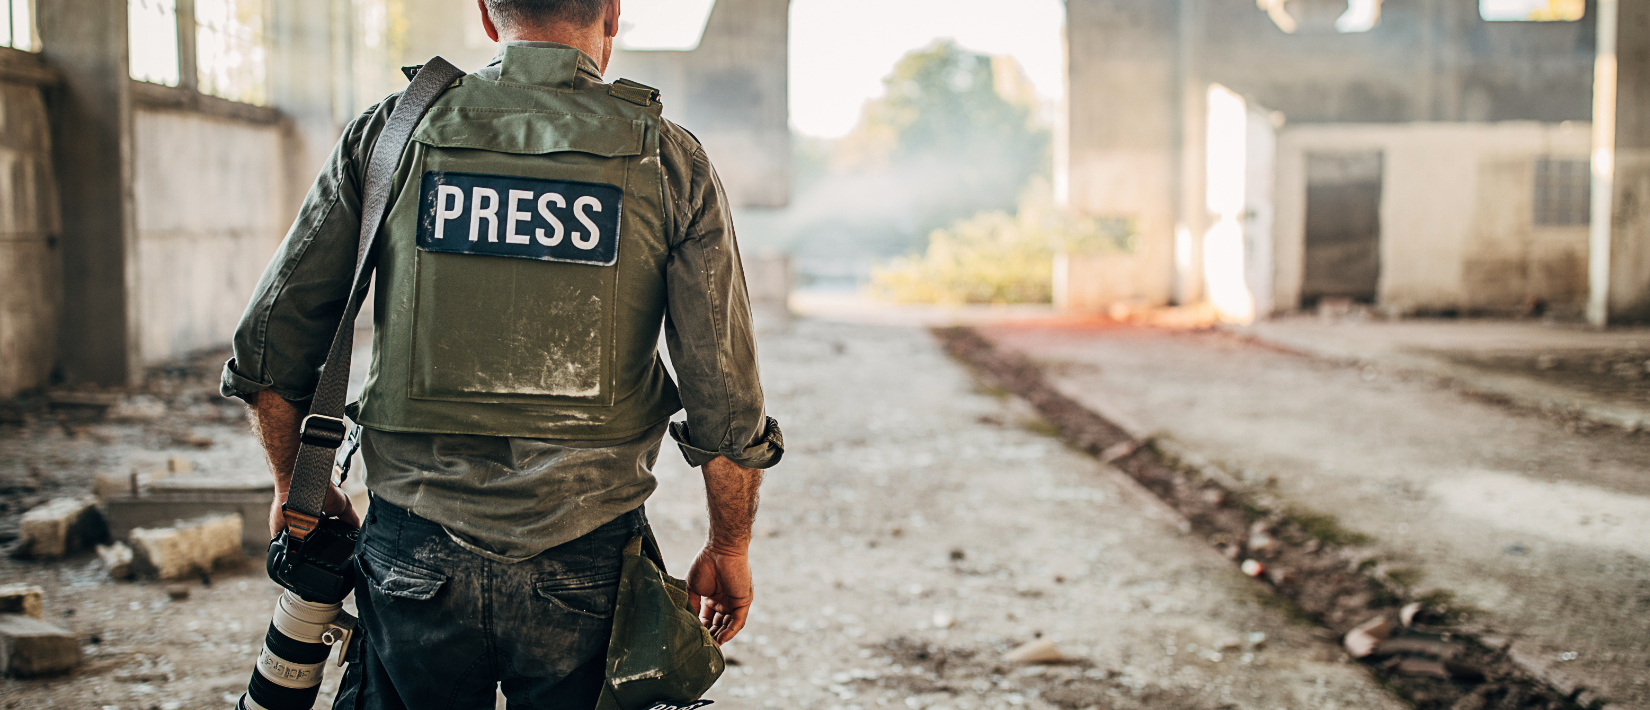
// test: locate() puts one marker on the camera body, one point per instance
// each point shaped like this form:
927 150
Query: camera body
321 567
318 573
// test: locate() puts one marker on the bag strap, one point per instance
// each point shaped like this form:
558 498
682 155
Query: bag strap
323 430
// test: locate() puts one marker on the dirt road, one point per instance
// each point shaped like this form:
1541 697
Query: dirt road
917 530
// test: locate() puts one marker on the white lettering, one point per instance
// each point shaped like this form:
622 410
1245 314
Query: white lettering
442 214
595 234
478 213
544 209
515 216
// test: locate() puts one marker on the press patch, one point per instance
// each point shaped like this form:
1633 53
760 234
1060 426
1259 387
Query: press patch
526 218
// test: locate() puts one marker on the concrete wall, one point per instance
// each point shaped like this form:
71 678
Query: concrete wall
210 209
733 93
1457 226
1123 93
30 265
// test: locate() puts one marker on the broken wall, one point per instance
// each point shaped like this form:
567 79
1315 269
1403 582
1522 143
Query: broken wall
30 265
210 210
1469 220
732 92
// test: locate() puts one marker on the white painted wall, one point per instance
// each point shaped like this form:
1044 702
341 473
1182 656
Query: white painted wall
210 211
1457 225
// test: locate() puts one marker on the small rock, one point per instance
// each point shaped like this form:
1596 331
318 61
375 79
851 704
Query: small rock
117 558
1229 645
1119 450
1214 496
177 592
1255 639
25 599
944 620
1282 576
1407 614
60 527
1035 651
1361 641
31 647
187 549
1424 667
958 554
1253 568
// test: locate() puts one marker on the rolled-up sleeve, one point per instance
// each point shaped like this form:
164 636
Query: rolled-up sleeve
284 334
708 323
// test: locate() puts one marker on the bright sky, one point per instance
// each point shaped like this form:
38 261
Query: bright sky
842 49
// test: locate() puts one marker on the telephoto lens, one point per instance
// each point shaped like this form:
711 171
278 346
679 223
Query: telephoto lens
300 637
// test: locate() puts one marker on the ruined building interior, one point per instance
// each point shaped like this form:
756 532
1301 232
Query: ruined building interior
1288 166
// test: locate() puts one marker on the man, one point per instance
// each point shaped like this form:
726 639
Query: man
542 227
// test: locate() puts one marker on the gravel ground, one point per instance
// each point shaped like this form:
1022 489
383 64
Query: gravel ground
918 529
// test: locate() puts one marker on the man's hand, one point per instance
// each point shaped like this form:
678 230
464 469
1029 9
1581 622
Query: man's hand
719 588
719 584
337 504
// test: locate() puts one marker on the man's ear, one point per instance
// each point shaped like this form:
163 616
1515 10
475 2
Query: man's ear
610 19
487 21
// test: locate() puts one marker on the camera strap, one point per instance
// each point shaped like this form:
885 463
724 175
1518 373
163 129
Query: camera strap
323 430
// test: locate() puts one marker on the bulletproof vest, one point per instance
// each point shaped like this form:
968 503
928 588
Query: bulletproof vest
521 277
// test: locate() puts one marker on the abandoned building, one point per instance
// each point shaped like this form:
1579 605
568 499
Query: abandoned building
1415 155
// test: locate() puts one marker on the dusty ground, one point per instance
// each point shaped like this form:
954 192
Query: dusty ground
1537 527
916 531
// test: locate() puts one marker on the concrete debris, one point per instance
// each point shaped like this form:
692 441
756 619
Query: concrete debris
117 558
140 407
109 484
25 599
944 620
1424 667
1119 450
60 527
31 647
1253 568
177 592
1229 645
1420 645
187 549
1407 614
189 497
1036 651
1361 641
1256 639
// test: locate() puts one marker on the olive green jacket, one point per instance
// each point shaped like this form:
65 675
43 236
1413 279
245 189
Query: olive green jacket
283 336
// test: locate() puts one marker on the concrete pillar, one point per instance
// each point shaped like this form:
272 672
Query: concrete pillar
733 92
1126 113
1619 261
91 111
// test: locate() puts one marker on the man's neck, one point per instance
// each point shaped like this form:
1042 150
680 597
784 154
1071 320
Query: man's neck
590 40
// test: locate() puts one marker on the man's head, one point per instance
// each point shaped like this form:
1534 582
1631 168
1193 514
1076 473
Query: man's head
589 25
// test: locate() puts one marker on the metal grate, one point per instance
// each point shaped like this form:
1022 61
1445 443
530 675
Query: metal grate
1563 192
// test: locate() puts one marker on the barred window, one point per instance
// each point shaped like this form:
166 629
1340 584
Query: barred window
230 51
17 27
1563 191
152 41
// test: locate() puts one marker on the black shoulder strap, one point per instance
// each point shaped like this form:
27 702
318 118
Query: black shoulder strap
323 430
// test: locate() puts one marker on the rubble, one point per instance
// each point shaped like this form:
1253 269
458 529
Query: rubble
1362 639
1036 651
117 558
187 549
25 599
31 647
60 527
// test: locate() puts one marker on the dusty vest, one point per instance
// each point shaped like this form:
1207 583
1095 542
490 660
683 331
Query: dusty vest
521 277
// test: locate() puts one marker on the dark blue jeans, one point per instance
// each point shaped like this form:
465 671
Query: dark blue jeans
443 627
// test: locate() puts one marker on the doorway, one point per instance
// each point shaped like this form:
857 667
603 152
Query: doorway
1343 227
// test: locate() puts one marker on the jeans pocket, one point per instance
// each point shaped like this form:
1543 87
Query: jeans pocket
593 596
396 580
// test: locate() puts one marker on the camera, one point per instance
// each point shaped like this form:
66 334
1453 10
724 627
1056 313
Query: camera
318 572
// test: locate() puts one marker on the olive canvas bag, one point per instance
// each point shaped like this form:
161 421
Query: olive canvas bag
659 652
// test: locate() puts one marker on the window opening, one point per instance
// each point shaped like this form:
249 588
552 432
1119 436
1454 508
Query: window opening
17 27
1532 10
230 51
664 25
1563 192
152 41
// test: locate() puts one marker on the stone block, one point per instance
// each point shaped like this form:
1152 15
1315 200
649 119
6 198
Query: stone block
31 647
60 527
25 599
165 501
187 549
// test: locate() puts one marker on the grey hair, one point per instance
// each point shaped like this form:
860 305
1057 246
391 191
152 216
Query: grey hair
532 13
